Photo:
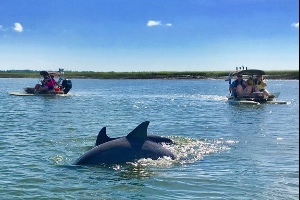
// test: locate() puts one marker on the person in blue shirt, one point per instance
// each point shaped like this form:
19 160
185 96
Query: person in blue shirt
240 87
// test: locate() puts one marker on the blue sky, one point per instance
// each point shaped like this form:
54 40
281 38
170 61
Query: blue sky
149 35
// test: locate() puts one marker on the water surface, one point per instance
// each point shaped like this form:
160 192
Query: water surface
223 151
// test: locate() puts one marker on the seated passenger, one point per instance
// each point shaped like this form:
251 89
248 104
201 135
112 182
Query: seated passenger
250 82
260 84
51 83
48 83
239 87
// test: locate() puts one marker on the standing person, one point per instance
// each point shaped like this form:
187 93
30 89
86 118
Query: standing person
260 84
240 87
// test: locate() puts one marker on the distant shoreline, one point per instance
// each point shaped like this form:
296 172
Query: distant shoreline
283 74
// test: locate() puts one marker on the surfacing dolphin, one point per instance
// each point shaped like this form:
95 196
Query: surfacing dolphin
102 138
134 146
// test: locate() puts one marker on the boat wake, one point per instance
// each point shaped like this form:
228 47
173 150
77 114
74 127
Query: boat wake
187 150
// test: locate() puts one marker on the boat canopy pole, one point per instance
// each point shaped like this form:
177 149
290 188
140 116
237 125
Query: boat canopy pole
229 82
61 77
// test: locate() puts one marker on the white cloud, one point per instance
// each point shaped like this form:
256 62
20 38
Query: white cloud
296 25
153 23
157 23
1 28
18 27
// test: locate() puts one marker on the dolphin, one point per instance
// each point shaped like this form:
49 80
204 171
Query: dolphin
102 138
134 146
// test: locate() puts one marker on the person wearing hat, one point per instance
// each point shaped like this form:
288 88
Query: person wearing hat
240 87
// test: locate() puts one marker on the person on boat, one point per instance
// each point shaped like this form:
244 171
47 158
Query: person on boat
51 83
250 82
260 84
240 87
48 83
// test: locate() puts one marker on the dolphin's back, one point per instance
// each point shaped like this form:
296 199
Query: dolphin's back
120 151
111 152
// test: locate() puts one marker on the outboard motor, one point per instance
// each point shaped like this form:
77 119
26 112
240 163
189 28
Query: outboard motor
67 85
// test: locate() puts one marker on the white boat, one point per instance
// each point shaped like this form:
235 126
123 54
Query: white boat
62 86
254 98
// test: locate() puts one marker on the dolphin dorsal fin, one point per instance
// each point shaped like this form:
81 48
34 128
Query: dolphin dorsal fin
102 137
140 132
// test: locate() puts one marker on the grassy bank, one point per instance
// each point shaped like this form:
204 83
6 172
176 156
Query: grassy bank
284 74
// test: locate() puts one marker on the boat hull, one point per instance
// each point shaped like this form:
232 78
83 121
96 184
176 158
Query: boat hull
37 94
253 101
